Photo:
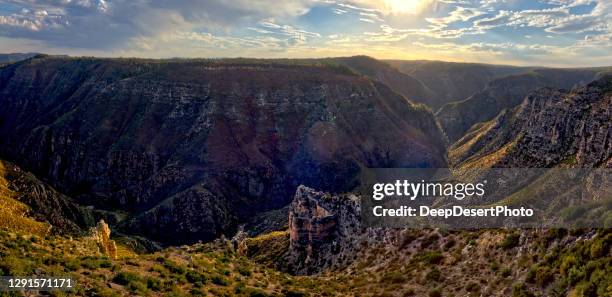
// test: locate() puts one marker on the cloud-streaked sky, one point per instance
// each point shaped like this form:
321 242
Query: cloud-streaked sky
522 32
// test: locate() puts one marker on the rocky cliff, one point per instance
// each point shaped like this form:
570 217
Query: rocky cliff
549 128
507 92
190 148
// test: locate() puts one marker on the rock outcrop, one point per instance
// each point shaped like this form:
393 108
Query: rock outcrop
323 230
101 234
192 148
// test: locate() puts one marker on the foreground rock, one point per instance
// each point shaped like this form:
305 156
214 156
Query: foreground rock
101 234
323 230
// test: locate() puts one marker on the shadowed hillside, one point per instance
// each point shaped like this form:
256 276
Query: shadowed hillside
190 148
457 117
449 81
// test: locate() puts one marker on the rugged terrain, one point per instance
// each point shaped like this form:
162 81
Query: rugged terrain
549 128
348 260
507 92
179 151
189 149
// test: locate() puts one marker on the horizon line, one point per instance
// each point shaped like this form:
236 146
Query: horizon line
296 58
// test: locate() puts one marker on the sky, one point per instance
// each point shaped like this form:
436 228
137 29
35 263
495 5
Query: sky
573 33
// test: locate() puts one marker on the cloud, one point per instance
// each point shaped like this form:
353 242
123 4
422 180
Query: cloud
285 35
498 20
459 14
269 28
557 20
373 17
98 24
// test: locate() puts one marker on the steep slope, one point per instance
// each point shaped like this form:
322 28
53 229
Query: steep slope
32 202
14 214
401 83
457 117
193 147
548 128
450 81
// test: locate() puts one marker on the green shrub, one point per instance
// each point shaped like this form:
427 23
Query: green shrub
195 277
543 275
521 291
173 267
95 262
15 266
430 257
433 275
125 278
472 287
73 264
154 284
393 277
220 280
511 241
244 270
506 272
430 240
449 244
292 293
567 262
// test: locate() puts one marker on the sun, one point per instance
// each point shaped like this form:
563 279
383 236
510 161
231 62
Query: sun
405 6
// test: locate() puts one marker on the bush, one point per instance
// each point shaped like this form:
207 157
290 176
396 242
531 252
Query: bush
393 277
598 249
543 275
94 263
15 266
125 278
472 287
568 262
406 239
220 280
433 238
154 284
433 275
506 272
244 270
173 267
430 257
521 291
511 241
291 293
195 277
